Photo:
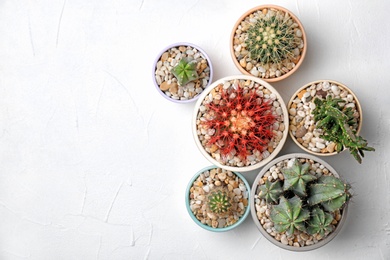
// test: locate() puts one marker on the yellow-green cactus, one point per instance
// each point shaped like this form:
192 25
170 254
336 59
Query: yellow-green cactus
219 202
185 71
297 177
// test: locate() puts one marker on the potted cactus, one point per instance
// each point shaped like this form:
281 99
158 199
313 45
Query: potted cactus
181 72
268 42
217 199
326 118
299 202
239 123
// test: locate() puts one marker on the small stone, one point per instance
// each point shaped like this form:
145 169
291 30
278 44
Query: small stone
217 183
237 191
298 33
164 56
301 113
243 63
292 111
321 93
301 131
335 90
182 49
173 88
164 86
284 240
331 147
320 145
249 66
254 72
312 106
301 93
222 176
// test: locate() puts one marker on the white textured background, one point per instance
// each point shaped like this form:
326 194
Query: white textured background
94 163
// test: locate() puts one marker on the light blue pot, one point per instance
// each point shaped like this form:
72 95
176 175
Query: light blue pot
187 199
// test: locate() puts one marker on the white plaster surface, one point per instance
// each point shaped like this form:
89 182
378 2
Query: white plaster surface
94 162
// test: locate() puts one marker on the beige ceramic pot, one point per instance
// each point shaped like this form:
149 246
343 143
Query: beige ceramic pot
240 51
302 127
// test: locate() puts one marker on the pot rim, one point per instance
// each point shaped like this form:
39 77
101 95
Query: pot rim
187 201
321 243
264 161
178 44
261 7
359 108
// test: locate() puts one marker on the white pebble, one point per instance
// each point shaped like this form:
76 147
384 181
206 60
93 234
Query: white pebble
254 72
320 145
312 106
237 191
335 90
284 240
301 113
292 111
298 33
206 188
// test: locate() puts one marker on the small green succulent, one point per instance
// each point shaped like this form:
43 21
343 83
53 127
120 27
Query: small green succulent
320 222
289 215
297 177
271 39
219 202
330 192
338 126
185 71
270 191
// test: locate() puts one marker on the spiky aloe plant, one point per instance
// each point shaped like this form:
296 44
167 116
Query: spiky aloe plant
270 191
185 71
338 126
242 121
330 192
289 215
271 39
297 177
320 222
219 202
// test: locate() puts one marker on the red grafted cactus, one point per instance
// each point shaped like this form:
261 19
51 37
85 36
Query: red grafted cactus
242 121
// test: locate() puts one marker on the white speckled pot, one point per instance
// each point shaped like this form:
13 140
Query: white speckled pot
270 238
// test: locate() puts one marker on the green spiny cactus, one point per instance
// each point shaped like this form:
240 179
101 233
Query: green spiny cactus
320 222
219 202
271 39
289 215
337 124
296 178
270 191
330 192
185 71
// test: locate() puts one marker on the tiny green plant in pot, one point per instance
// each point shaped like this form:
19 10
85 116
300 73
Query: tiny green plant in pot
326 118
299 202
181 72
268 42
239 123
217 199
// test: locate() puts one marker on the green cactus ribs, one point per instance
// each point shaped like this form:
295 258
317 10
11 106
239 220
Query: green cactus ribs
185 71
330 192
338 126
270 191
320 222
289 215
219 202
271 39
297 177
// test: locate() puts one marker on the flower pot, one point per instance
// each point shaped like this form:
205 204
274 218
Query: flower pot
201 190
300 107
260 51
168 85
263 211
239 123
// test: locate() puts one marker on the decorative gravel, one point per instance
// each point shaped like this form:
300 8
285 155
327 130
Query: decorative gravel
302 125
222 179
205 134
167 81
268 71
263 210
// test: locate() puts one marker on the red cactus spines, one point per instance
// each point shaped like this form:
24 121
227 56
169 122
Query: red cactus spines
242 122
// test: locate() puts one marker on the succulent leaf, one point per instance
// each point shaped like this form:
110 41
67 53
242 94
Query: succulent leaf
320 222
270 191
185 71
330 192
297 177
289 215
338 123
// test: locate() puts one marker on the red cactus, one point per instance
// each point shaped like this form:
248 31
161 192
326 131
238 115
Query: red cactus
242 121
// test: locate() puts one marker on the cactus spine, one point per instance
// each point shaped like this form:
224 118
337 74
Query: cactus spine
185 71
219 202
289 215
297 177
271 39
330 192
270 191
